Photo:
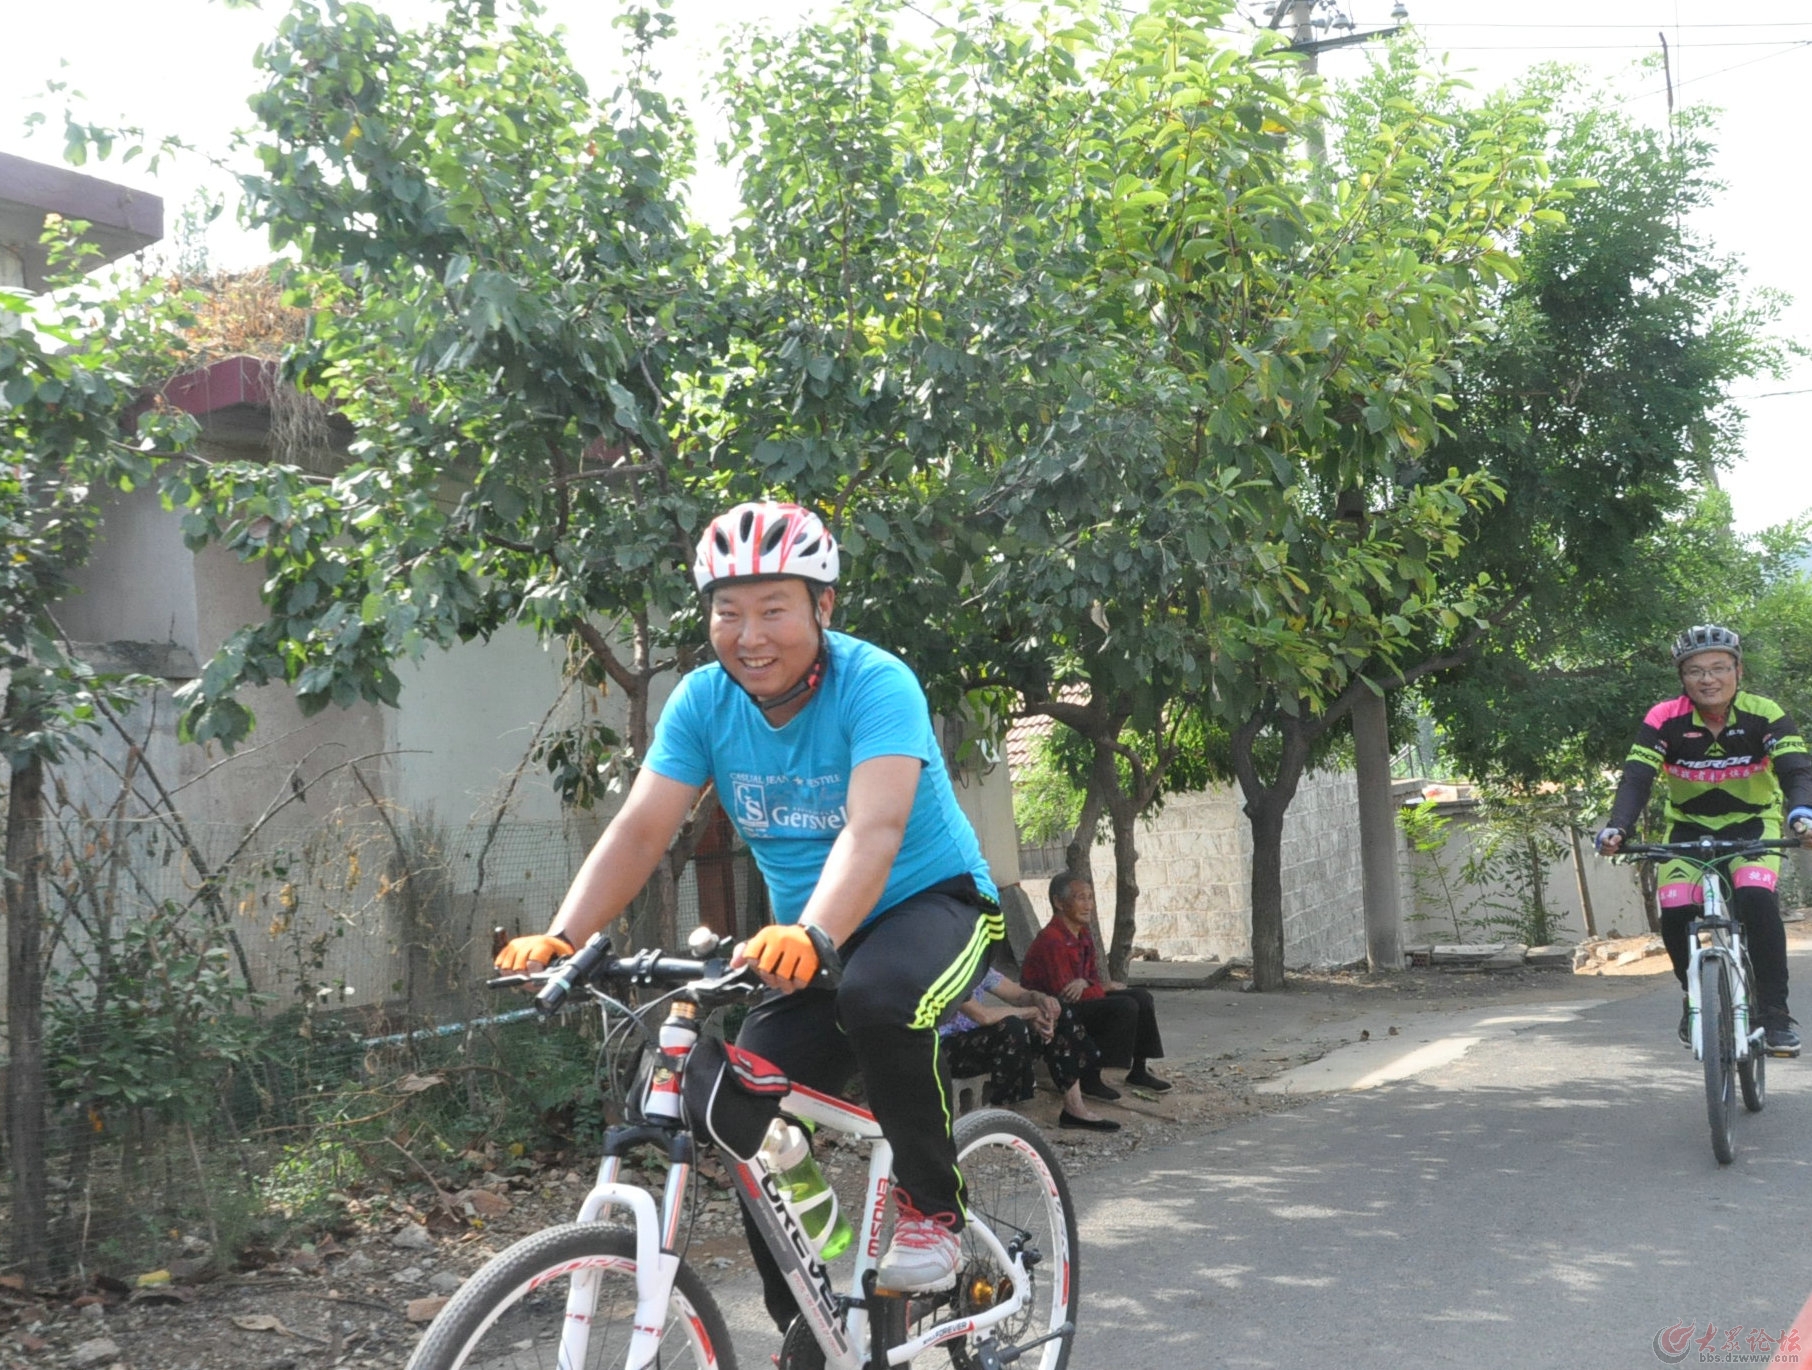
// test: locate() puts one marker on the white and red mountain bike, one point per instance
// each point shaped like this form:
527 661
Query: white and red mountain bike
613 1288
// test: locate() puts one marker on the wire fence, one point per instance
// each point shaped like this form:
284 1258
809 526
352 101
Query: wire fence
234 1030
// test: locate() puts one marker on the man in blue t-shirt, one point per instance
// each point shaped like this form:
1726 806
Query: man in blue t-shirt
822 751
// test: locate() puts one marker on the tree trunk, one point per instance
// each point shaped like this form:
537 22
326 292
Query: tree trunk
1266 814
1265 807
1125 815
26 1114
1076 856
1377 833
1538 929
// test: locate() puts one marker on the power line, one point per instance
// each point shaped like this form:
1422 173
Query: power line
1734 66
1649 28
1623 47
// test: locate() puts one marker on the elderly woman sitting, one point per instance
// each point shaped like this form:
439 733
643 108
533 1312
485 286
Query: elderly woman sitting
1004 1040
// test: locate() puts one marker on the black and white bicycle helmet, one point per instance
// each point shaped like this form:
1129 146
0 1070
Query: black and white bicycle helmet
758 541
1707 637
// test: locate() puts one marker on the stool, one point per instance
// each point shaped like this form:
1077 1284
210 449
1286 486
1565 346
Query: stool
969 1092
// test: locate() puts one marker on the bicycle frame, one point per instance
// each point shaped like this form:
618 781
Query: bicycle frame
840 1323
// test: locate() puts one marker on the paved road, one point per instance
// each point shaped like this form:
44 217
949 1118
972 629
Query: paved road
1546 1198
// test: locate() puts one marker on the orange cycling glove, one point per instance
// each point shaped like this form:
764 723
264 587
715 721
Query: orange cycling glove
542 947
786 952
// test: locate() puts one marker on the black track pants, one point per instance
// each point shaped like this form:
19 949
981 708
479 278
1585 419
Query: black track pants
901 976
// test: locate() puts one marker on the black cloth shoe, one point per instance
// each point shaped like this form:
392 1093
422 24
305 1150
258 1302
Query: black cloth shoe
1144 1079
1068 1119
1685 1021
1098 1088
1778 1033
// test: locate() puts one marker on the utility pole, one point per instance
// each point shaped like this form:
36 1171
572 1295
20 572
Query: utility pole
1383 894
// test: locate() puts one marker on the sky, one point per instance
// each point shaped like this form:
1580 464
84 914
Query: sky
183 68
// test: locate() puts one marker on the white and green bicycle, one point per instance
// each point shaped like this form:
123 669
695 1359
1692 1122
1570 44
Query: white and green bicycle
1727 1035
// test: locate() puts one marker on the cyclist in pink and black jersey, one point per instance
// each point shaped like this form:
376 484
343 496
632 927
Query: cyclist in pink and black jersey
1731 761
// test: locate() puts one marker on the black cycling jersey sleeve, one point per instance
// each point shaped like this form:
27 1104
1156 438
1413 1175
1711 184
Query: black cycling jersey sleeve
1794 771
1633 788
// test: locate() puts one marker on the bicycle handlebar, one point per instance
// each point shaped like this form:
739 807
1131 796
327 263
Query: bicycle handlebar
710 982
1707 848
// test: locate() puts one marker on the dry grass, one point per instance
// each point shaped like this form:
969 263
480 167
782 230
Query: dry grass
241 314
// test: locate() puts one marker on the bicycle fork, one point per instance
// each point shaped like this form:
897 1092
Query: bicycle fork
656 1263
1729 954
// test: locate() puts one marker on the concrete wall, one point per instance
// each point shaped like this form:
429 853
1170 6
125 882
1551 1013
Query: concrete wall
1195 877
139 583
468 720
986 798
1615 894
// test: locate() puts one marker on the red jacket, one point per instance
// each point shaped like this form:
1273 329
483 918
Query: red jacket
1057 957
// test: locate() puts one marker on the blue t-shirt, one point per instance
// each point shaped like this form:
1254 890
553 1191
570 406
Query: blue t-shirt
786 789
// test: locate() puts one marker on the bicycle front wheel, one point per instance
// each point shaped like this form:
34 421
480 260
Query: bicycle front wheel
512 1314
1012 1182
1717 1028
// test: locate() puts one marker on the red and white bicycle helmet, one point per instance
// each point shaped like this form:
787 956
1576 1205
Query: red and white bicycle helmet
758 541
1707 637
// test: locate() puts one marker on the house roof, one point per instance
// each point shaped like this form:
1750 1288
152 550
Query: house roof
123 221
1028 730
1023 736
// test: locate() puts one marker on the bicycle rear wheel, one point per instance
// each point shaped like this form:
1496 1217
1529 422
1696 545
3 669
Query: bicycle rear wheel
1717 1028
511 1314
1013 1182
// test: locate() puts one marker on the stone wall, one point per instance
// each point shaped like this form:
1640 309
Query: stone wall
1195 877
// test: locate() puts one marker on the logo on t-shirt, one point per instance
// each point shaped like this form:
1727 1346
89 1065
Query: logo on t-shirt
764 805
751 805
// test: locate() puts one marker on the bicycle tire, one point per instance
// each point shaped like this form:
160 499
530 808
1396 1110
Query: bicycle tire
510 1314
1717 1029
1014 1183
1752 1075
1752 1071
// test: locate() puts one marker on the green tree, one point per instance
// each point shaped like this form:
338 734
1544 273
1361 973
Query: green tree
511 306
1314 334
1598 401
73 366
1106 431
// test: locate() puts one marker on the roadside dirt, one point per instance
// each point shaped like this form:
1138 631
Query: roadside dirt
358 1296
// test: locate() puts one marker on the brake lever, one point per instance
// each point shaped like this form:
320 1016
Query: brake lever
728 983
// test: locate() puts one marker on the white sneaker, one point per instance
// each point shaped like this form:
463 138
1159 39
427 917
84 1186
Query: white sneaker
923 1255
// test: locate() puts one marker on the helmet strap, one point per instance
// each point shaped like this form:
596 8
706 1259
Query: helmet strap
806 683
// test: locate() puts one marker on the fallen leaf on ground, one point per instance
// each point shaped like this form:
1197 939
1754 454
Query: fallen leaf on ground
423 1310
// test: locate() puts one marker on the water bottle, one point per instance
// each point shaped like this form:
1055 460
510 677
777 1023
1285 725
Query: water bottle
678 1035
803 1188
